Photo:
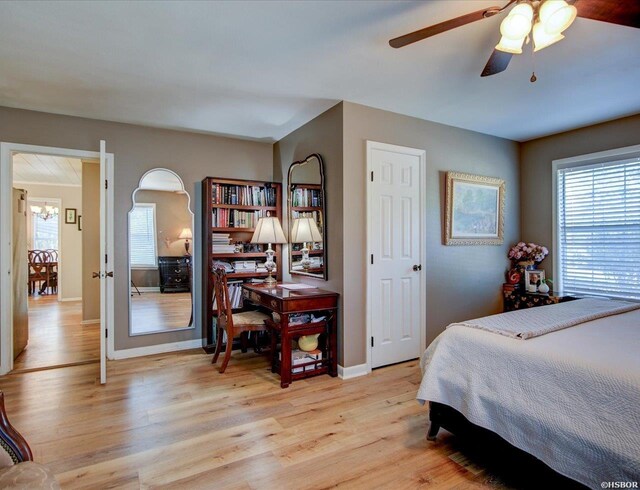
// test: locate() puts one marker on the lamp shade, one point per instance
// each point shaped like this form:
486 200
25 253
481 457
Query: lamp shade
186 234
557 15
305 230
542 39
268 230
507 45
518 23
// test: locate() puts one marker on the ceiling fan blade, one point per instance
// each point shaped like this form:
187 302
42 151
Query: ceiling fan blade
447 25
498 61
624 13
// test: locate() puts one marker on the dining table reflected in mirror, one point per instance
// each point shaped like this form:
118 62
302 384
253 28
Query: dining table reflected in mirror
307 218
160 263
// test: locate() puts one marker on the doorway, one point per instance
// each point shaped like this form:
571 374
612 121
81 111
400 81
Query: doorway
396 283
50 180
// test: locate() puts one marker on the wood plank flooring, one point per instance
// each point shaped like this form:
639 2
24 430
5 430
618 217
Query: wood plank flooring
173 421
151 312
56 336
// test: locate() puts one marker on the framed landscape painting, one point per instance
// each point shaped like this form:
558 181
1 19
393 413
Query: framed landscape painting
475 210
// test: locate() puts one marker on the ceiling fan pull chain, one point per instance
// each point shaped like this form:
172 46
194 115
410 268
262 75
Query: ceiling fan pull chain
533 67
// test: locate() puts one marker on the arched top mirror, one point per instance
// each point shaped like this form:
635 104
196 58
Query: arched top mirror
307 218
160 230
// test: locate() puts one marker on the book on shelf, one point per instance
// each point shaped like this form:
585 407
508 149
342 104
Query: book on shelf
221 238
243 195
227 249
303 197
234 218
244 265
235 295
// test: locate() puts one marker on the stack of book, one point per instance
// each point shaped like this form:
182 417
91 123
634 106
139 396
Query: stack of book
244 265
301 357
221 243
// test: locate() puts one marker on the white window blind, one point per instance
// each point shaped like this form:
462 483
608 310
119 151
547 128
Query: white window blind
599 229
142 236
45 233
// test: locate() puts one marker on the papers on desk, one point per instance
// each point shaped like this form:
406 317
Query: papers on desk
297 286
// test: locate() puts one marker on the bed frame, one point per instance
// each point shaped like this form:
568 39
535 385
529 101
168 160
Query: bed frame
10 439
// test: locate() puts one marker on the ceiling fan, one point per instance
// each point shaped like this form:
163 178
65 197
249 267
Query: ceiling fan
542 20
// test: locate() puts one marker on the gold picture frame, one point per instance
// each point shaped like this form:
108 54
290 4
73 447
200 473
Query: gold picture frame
474 210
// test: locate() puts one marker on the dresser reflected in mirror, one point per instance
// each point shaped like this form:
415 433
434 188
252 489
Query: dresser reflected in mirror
160 232
307 218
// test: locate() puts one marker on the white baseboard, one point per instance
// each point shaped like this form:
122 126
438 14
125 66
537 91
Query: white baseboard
90 322
146 289
352 371
157 349
71 299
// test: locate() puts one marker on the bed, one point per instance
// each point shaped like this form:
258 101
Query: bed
569 397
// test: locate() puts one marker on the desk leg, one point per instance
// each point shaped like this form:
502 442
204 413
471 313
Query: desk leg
333 345
285 362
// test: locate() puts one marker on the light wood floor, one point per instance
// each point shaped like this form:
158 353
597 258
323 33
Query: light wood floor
56 336
173 421
151 312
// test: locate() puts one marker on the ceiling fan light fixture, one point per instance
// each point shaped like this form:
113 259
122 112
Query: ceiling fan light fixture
513 46
542 39
517 24
557 15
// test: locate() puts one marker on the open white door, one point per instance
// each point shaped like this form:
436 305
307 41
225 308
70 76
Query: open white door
103 263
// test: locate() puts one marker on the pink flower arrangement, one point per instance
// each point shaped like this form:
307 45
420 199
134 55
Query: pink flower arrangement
527 252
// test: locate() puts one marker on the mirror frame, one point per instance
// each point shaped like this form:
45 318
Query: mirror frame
300 163
194 248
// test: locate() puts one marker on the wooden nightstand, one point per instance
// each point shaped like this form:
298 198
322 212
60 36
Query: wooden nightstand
516 298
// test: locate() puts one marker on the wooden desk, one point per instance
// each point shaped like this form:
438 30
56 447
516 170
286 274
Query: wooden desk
286 302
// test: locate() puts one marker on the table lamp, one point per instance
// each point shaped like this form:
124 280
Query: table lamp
305 230
186 235
268 230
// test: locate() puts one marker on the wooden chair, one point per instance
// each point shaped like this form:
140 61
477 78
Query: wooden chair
234 324
38 269
52 263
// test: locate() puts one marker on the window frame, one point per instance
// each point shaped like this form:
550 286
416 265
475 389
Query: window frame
607 156
154 266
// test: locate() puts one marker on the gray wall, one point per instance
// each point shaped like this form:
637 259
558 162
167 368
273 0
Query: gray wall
322 135
536 157
462 282
138 149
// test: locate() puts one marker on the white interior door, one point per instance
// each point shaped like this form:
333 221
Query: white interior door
104 262
396 291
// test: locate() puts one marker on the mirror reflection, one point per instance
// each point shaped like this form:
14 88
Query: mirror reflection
307 223
160 264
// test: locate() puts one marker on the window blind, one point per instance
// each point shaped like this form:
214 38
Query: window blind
599 229
142 236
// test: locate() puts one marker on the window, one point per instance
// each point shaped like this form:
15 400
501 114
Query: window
598 227
45 233
142 236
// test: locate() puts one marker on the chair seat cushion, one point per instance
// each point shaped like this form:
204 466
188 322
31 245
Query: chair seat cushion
28 476
249 318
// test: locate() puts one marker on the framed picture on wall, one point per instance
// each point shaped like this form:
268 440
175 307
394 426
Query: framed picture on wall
70 216
474 210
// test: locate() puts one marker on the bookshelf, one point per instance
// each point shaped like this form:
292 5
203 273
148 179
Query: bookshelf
232 207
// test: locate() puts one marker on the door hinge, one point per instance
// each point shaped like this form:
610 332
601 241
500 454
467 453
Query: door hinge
372 342
106 184
372 176
371 259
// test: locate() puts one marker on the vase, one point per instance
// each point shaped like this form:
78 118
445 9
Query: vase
543 288
308 343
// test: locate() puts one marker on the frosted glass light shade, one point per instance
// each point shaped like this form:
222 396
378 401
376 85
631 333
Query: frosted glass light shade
518 23
305 230
36 209
510 45
268 230
542 39
557 15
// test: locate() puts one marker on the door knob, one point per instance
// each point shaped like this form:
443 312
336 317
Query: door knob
417 267
95 275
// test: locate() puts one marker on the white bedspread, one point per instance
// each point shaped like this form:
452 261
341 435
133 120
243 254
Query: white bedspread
571 398
532 322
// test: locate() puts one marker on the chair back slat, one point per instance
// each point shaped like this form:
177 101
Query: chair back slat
221 291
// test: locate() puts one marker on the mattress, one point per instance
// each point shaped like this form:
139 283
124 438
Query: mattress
571 398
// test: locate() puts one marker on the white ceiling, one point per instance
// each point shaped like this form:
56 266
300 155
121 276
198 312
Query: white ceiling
29 168
261 69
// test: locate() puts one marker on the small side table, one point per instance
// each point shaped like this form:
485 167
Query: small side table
516 298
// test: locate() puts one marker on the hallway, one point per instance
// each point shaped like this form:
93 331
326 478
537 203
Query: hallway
56 336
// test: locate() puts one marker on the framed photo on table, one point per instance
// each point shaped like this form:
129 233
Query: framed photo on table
533 279
474 210
70 216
